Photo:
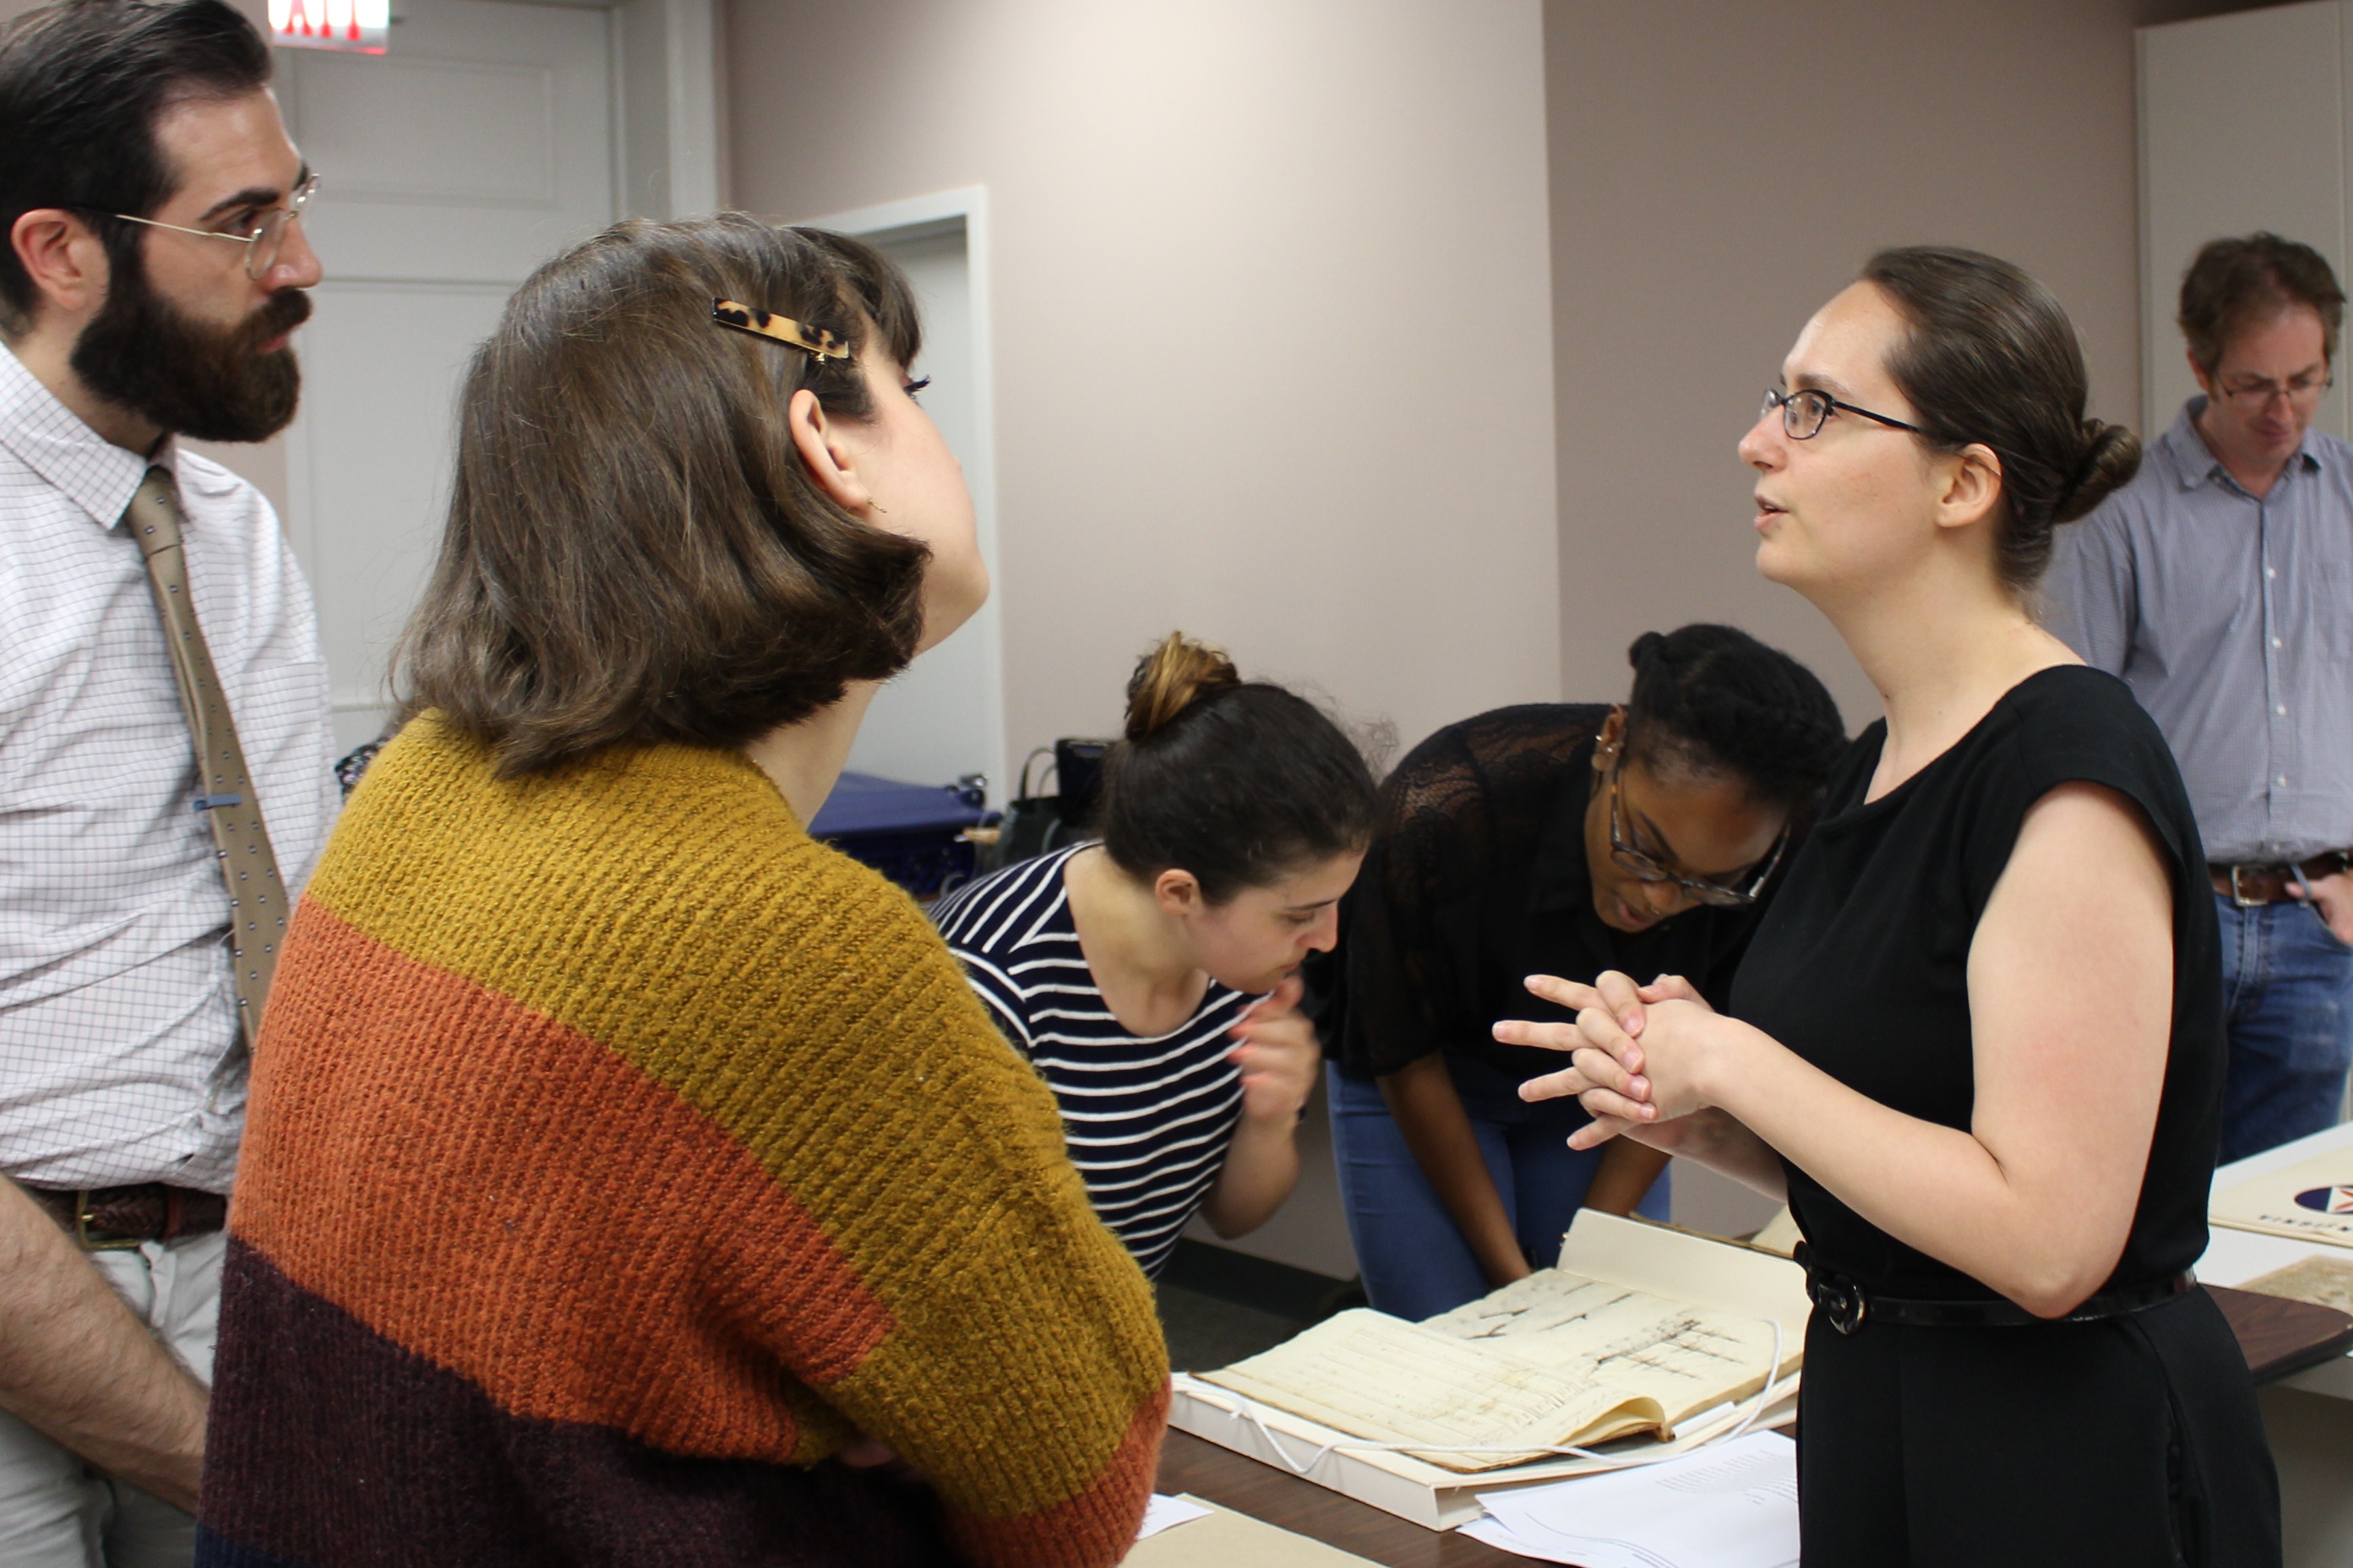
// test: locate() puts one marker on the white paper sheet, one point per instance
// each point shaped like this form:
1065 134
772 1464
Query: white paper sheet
1729 1507
1164 1512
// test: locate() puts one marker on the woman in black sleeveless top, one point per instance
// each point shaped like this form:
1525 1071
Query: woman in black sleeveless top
1978 1041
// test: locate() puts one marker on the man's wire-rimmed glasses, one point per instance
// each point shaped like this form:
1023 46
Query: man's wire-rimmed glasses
265 243
1644 868
2253 395
1805 411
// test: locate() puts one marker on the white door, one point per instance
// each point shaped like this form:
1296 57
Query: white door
451 167
943 718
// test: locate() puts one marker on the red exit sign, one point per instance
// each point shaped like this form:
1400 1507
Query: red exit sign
358 26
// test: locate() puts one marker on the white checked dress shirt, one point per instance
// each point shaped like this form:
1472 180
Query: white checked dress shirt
120 1056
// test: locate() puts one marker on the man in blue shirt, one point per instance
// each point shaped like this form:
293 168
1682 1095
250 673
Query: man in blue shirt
2219 585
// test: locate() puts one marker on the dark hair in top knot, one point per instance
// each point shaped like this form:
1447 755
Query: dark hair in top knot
1171 678
1239 781
1713 701
1992 360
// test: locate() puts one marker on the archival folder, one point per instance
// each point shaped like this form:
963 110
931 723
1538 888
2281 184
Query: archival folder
1645 1338
2312 1201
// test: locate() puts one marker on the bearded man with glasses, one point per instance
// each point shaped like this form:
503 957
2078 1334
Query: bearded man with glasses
2219 582
164 746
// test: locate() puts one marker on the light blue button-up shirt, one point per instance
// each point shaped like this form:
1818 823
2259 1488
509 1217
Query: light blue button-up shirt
2232 620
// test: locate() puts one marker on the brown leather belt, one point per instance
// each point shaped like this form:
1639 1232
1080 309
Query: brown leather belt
104 1219
2251 884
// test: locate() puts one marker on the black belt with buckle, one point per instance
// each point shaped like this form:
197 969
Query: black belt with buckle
1847 1306
107 1219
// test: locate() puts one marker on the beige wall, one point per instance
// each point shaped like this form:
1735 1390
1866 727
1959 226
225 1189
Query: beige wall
1718 170
1270 316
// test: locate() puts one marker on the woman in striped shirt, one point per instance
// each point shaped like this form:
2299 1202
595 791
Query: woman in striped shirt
1151 977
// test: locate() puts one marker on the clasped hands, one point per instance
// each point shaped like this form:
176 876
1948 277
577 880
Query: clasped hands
1641 1056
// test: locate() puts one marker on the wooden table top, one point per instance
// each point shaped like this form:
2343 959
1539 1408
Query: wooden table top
2278 1338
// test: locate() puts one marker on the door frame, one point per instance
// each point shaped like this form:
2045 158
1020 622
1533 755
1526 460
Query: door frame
668 106
908 219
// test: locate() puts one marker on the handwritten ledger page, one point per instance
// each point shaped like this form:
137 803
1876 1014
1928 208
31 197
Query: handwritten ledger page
1687 1358
1388 1381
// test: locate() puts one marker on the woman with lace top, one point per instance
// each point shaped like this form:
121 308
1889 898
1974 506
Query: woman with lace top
1553 838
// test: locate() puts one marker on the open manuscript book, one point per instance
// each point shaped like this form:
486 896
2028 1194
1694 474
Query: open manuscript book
1643 1331
1550 1361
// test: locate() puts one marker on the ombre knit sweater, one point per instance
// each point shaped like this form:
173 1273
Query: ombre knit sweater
616 1153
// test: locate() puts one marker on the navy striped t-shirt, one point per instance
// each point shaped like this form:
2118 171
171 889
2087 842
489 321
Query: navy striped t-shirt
1147 1121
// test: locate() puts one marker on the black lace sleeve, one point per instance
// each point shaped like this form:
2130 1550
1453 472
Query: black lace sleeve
1459 818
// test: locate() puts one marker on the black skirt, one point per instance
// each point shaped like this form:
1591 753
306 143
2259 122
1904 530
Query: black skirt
2133 1442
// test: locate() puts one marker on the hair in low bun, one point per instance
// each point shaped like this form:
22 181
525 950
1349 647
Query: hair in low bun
1239 781
2111 457
1171 678
1991 360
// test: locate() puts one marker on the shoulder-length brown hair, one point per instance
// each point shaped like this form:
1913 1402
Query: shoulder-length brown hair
634 548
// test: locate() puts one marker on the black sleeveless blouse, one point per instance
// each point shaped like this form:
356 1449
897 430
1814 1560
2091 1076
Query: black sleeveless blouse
1861 965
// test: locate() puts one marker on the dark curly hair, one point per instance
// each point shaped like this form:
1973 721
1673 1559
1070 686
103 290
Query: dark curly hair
1713 701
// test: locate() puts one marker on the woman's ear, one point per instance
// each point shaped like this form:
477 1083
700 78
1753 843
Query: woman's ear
1611 736
1178 892
824 454
1972 487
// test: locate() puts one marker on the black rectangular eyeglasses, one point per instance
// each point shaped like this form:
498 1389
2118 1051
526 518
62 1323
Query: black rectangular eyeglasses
1805 411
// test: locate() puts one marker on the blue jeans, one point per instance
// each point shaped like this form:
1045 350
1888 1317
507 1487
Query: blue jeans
1415 1262
2287 996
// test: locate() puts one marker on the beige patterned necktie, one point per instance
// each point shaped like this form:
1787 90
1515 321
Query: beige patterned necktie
256 902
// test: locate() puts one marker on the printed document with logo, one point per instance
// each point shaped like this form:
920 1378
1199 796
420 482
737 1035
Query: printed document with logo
2312 1201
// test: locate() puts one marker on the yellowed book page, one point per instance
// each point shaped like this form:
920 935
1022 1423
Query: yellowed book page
1229 1540
2322 1281
2313 1200
1447 1399
1689 1359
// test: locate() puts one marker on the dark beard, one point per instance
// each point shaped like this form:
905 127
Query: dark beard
190 378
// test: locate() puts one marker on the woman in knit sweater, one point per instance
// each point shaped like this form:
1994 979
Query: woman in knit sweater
621 1161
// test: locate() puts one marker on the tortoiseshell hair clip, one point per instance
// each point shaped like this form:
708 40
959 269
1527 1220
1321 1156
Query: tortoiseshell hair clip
815 341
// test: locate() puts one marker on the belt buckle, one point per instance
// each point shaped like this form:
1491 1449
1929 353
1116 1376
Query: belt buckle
2238 898
83 1218
1842 1302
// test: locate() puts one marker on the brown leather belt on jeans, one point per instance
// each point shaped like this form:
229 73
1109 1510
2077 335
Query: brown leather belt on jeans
2251 884
105 1218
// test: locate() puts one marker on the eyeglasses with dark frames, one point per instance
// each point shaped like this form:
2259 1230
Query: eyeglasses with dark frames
1805 411
264 244
2253 395
1644 868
